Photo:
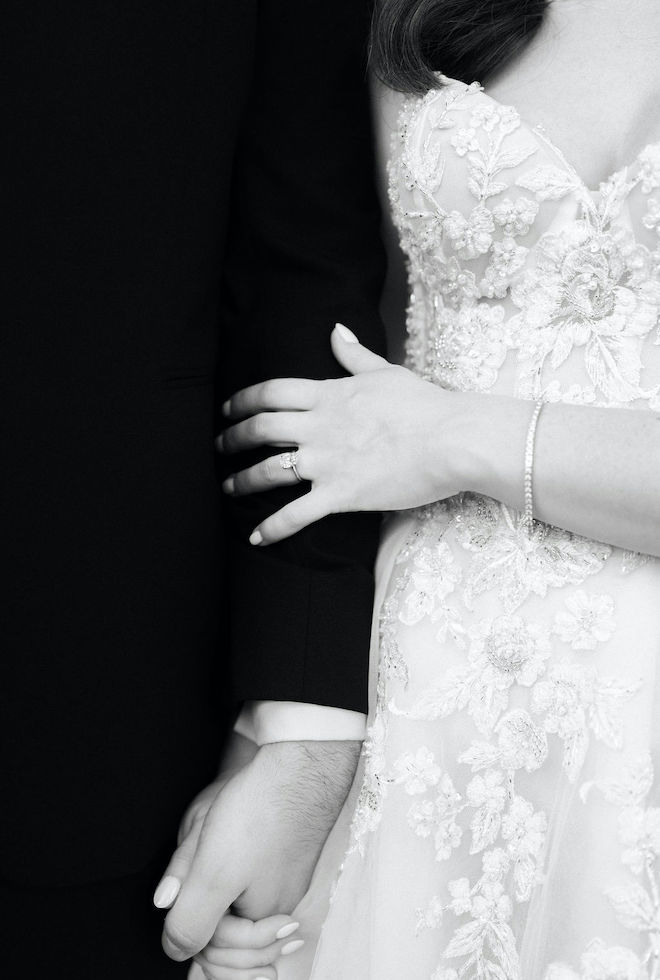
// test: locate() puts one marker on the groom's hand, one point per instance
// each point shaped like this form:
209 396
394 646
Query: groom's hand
255 838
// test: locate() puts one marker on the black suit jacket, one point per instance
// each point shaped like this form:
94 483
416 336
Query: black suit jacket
191 209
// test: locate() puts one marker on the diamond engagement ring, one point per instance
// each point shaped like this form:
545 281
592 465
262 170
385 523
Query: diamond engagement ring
288 461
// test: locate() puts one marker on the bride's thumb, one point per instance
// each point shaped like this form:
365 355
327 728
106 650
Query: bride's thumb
350 353
177 870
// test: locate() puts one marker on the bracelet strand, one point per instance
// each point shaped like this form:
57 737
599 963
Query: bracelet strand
528 519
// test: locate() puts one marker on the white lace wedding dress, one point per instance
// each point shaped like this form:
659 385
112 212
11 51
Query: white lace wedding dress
506 823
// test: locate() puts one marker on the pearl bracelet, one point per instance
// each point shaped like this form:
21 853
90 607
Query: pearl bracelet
528 519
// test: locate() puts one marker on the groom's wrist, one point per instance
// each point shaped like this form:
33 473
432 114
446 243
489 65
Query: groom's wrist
313 776
293 721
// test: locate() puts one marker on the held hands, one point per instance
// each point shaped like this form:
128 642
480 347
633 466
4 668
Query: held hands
248 845
375 441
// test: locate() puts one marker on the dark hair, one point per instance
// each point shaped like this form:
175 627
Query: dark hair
464 39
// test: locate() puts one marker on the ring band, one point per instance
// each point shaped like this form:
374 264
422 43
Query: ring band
288 461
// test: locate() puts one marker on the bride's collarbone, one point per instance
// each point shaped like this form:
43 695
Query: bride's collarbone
591 83
599 129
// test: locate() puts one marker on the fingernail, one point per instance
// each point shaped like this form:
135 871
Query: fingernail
218 443
346 334
226 408
166 892
228 485
287 930
256 538
292 947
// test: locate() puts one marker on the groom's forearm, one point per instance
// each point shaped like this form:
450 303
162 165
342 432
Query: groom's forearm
301 617
304 252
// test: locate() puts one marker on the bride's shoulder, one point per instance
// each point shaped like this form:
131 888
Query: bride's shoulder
437 133
441 108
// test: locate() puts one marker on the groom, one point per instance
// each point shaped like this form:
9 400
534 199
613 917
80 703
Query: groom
190 210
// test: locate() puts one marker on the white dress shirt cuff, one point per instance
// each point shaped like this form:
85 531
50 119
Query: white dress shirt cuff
293 721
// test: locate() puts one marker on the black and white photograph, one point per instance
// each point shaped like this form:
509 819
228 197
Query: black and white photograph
330 498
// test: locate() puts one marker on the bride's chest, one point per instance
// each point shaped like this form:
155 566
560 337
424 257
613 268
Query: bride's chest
522 278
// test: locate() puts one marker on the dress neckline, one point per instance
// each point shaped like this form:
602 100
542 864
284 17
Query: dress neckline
540 131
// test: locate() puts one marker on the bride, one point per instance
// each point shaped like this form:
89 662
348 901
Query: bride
506 821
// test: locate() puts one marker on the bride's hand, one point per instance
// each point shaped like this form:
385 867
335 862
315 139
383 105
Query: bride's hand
244 950
380 440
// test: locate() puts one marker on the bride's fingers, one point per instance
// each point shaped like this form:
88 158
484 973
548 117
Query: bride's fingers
238 959
294 517
248 959
177 870
264 429
211 972
263 476
237 933
296 394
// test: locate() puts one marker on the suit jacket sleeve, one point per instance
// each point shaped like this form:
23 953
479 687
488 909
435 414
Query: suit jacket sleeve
304 251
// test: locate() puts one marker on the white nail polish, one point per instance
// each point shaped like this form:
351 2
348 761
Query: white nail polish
292 947
346 334
287 930
256 538
166 892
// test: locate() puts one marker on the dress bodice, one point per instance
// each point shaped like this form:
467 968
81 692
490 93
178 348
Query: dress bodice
523 280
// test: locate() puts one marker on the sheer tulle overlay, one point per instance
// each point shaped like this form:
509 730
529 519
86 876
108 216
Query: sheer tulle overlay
506 820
